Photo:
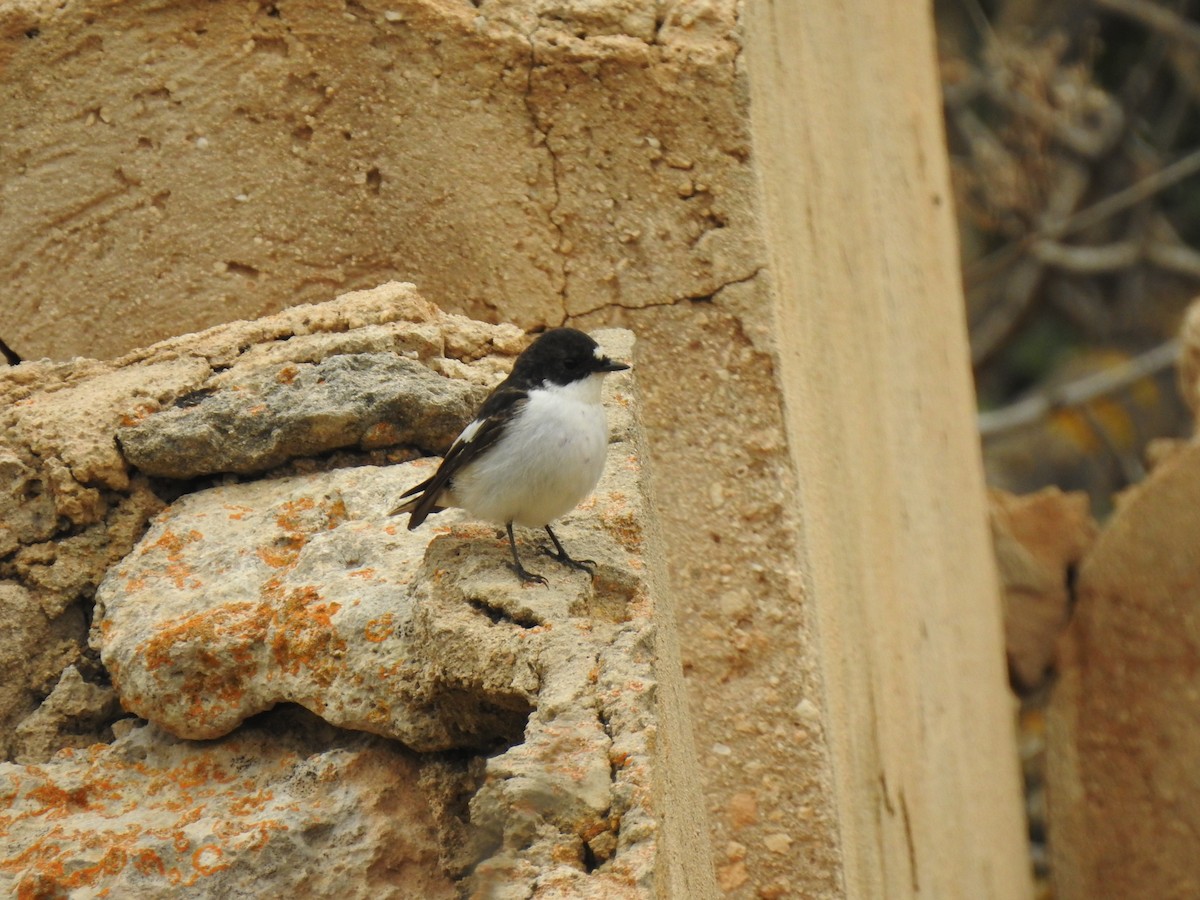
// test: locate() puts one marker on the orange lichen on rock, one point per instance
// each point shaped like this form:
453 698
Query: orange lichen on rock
246 621
208 688
381 434
207 860
152 814
284 554
148 862
304 635
379 629
137 414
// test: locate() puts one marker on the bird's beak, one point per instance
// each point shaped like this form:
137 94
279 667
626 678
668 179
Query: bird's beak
607 365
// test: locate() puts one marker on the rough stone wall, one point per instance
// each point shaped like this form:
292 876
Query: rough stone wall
538 736
73 505
284 806
526 161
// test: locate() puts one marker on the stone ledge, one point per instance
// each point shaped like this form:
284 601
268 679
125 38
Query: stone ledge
298 589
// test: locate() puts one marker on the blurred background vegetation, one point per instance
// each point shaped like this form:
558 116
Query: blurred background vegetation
1074 135
1075 151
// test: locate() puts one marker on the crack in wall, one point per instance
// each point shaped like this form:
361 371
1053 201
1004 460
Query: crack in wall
672 301
601 846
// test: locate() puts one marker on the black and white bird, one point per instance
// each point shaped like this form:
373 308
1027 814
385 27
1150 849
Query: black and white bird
535 449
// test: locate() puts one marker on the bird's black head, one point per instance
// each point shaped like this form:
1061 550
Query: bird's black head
561 356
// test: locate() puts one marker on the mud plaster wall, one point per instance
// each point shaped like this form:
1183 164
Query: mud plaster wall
194 162
165 166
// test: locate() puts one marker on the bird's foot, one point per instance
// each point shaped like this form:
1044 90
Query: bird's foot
563 557
583 565
526 576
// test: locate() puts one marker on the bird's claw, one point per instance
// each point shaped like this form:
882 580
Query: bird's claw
583 565
526 576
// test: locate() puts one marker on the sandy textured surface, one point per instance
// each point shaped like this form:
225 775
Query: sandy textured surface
549 721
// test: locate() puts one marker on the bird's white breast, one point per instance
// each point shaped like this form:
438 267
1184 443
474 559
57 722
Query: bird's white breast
547 461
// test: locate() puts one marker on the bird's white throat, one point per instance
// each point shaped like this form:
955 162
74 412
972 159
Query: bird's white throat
586 390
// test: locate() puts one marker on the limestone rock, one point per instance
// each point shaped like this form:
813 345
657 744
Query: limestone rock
1039 539
268 812
276 413
76 714
302 589
298 589
71 504
28 508
1124 718
66 570
34 649
44 601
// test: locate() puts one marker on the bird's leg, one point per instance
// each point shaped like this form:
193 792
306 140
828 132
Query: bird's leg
562 556
522 572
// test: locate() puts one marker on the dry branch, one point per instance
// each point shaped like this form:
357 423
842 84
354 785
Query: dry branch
1142 190
1039 405
1152 15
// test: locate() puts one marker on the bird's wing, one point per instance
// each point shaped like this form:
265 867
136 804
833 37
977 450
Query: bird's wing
482 433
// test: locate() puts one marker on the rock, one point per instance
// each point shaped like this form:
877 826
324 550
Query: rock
1124 717
76 714
302 589
1188 369
1039 539
269 812
26 505
34 649
44 606
743 810
732 876
64 571
275 413
59 421
298 589
71 504
779 842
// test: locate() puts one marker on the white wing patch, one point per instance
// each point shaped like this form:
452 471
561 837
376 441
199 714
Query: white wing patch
468 433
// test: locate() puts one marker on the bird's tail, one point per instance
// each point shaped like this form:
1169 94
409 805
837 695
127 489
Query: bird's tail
406 507
416 496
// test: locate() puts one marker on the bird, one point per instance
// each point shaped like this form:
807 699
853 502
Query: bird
534 450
